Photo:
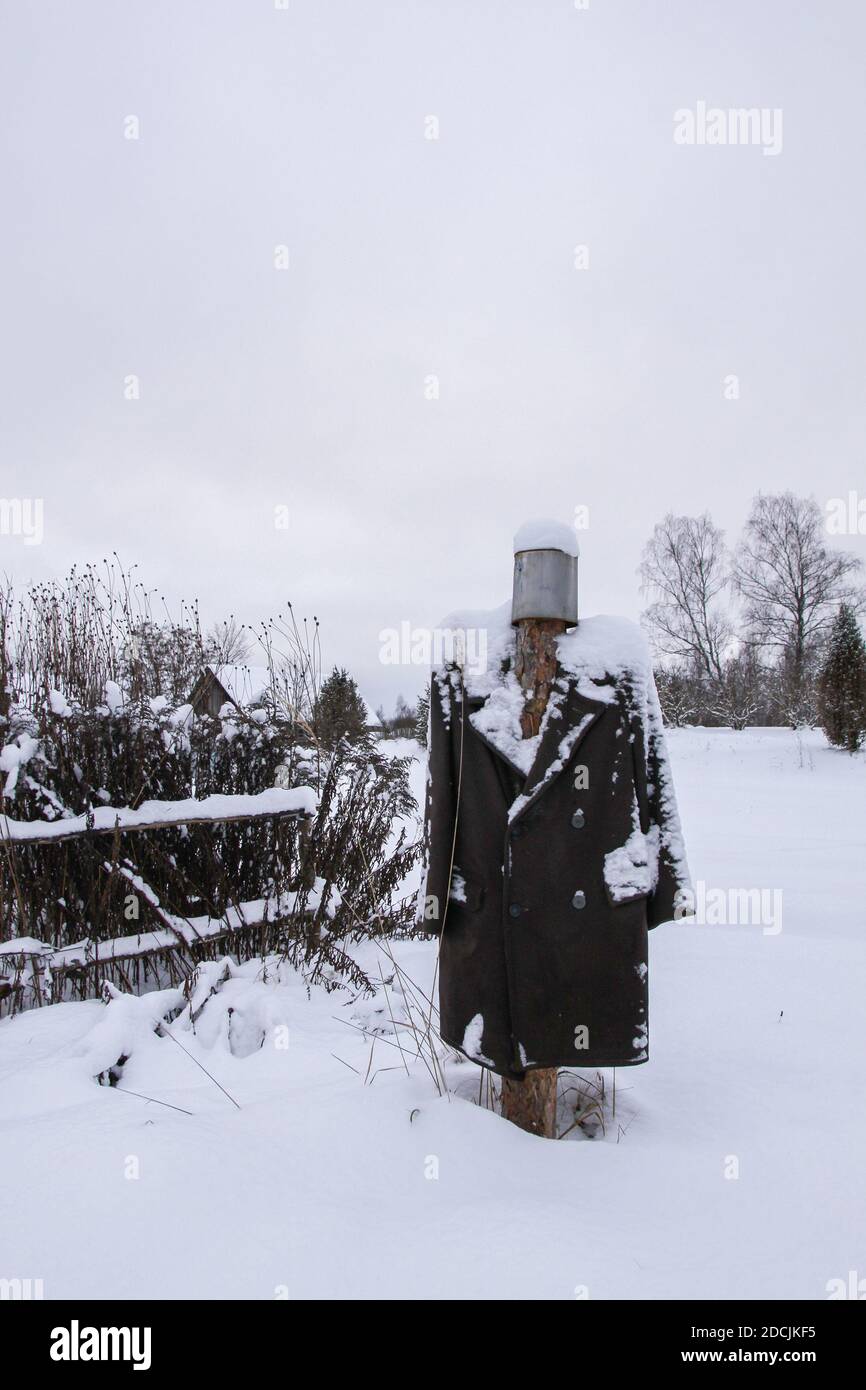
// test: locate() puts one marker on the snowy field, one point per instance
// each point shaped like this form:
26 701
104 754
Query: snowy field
733 1167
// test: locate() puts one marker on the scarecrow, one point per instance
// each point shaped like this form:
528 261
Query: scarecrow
553 840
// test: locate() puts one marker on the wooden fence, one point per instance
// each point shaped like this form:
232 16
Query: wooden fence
33 972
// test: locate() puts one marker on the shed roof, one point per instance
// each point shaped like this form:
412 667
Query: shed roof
246 685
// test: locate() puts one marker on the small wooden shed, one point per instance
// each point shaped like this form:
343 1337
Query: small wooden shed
242 686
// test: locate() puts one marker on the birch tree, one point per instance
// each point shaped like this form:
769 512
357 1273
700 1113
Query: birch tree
790 581
684 569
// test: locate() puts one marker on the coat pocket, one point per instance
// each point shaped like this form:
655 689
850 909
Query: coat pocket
629 870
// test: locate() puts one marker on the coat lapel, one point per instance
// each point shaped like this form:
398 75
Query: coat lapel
494 713
567 720
537 761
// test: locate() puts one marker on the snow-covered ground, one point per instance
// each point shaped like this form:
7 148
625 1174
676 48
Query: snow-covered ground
733 1167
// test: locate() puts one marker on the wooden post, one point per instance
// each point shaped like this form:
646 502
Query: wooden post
531 1103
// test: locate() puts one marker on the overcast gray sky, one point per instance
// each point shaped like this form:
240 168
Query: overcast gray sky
409 257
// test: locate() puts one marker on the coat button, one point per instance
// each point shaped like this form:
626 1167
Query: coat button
579 899
578 820
515 910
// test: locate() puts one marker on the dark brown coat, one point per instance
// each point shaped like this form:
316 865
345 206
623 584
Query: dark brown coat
543 885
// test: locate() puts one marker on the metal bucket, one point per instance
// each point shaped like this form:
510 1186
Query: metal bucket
545 586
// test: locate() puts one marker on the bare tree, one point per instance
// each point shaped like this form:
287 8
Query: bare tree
685 567
229 643
680 696
737 699
790 582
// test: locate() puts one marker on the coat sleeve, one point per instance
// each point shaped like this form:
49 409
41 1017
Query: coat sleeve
672 896
440 808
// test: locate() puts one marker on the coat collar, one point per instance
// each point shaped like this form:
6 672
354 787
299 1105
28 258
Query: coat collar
570 713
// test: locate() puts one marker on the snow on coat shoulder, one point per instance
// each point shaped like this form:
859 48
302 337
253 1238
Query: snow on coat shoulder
605 647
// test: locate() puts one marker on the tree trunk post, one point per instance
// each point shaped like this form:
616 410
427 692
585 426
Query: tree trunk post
531 1102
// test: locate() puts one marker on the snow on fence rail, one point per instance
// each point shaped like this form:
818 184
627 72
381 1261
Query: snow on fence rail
299 803
34 972
181 931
